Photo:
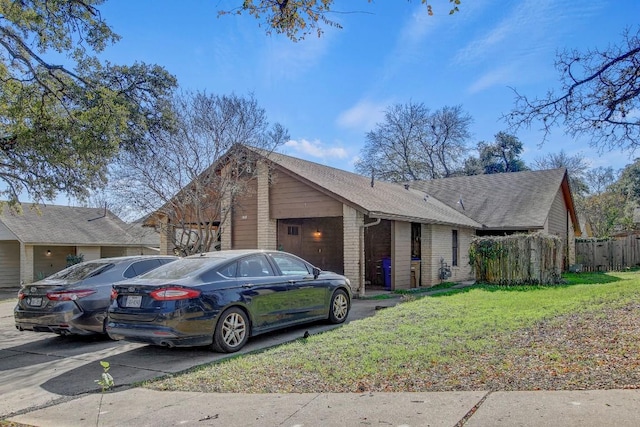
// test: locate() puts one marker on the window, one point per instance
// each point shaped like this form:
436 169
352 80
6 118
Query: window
255 266
292 230
290 266
454 245
141 267
229 270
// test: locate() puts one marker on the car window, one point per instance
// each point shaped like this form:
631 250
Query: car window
230 270
181 269
290 266
255 266
141 267
82 271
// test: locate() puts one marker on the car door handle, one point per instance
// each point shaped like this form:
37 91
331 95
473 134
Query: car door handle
248 285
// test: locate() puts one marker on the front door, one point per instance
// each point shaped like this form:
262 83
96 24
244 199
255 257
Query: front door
290 238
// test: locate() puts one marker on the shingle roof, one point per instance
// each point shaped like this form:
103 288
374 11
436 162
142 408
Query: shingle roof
383 200
516 200
63 225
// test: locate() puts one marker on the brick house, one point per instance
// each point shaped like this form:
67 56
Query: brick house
36 242
378 233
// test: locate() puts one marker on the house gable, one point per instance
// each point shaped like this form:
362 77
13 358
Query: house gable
292 198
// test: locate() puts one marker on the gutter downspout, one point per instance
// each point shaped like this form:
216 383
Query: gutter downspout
361 255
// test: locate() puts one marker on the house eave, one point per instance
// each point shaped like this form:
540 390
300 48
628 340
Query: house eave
393 217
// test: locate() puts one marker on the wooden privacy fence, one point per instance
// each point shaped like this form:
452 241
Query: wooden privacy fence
517 259
608 255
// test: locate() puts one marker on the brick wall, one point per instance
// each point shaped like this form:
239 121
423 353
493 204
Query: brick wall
400 255
166 237
352 220
26 263
437 245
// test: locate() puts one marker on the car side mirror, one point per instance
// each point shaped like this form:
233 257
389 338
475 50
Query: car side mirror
316 272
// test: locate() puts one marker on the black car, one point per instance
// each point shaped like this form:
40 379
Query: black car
222 298
75 300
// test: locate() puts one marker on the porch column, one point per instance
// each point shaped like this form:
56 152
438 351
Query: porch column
267 227
427 267
226 223
400 255
166 236
26 263
352 222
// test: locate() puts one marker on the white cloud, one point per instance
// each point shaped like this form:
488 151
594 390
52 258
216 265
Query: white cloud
499 76
530 20
363 116
316 149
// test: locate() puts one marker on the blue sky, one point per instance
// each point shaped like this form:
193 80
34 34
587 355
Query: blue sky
330 91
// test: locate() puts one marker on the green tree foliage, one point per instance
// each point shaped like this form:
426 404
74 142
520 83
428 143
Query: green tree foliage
606 213
63 113
299 18
502 155
598 98
628 185
413 143
611 202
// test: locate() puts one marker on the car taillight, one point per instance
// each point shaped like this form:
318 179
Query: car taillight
70 295
114 294
169 294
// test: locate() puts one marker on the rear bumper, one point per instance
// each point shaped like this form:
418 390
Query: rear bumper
156 335
67 320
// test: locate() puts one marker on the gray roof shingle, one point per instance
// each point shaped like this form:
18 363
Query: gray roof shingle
515 200
63 225
383 200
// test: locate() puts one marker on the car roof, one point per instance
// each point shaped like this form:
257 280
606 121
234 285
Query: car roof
128 258
229 254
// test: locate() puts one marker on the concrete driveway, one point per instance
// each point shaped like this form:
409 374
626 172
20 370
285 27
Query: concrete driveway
40 369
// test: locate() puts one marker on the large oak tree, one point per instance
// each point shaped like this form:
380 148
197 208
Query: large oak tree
64 113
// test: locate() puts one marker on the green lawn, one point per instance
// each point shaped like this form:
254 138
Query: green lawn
483 337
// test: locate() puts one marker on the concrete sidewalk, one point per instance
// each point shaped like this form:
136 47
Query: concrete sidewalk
142 407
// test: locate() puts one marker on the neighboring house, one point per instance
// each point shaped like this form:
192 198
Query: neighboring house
516 202
36 242
382 233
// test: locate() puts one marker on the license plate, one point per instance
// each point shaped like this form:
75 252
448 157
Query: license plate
35 301
133 301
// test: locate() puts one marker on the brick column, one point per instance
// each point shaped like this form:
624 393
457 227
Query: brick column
166 236
226 223
427 266
267 227
352 220
26 263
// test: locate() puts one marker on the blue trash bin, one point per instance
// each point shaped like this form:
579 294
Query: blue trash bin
386 271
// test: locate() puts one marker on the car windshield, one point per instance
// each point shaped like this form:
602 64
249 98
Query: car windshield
81 271
181 269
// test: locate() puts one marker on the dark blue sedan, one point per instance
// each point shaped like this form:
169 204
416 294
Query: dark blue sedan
222 298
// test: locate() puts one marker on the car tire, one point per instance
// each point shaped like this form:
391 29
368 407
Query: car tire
232 331
339 308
